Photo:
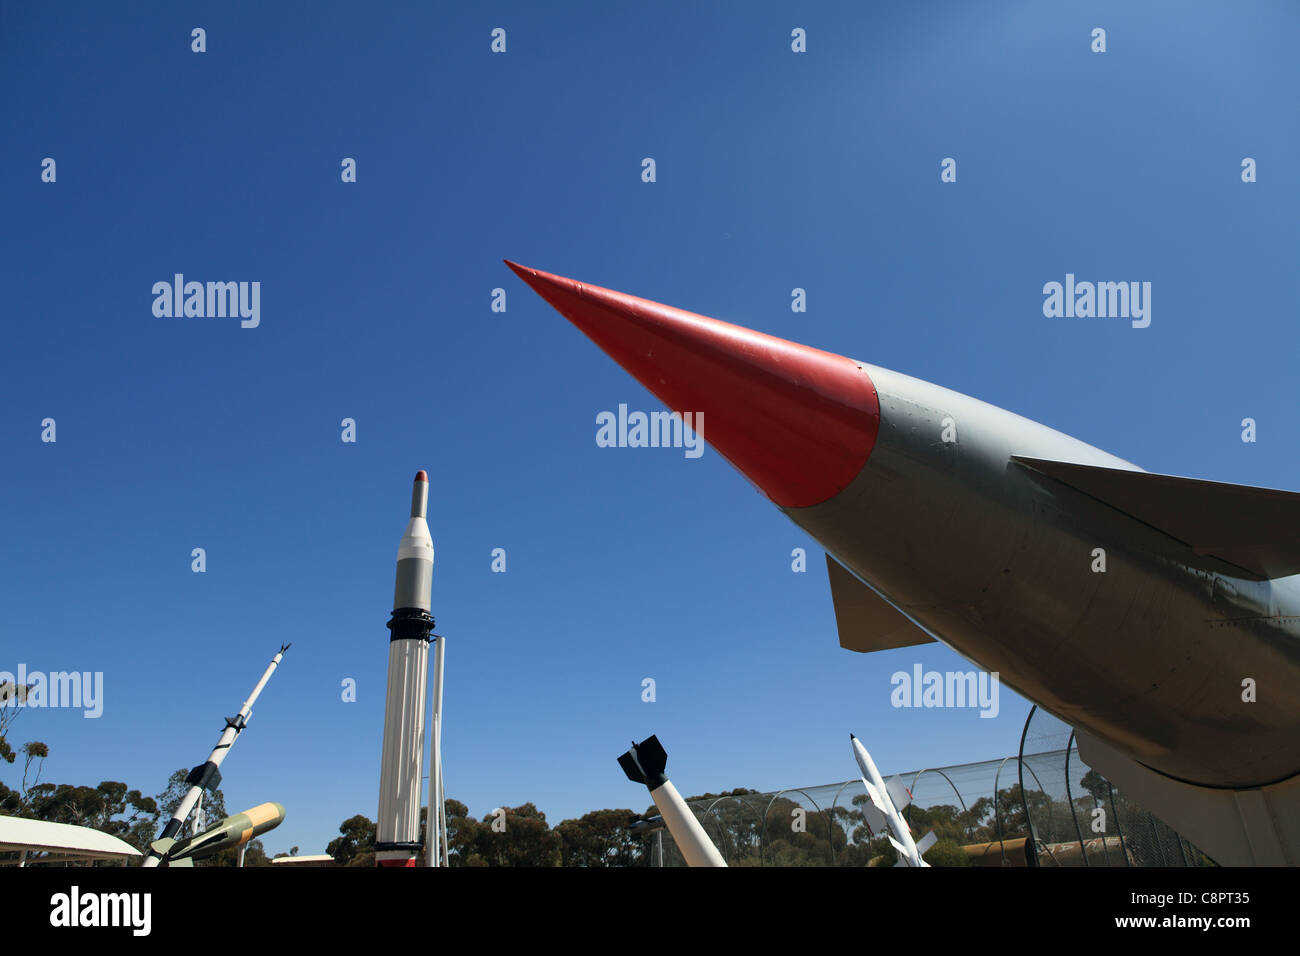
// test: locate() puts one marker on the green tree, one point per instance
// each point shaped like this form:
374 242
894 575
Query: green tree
802 836
462 833
356 844
599 838
524 840
12 697
946 853
17 803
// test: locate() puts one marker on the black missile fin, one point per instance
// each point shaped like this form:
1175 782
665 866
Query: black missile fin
646 763
205 775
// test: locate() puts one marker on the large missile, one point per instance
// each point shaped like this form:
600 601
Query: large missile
647 763
1144 610
887 799
232 831
397 838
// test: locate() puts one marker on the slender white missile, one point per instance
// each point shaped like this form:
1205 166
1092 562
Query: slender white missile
646 763
397 837
207 776
883 810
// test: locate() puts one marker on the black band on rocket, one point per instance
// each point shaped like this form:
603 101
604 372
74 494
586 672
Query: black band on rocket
410 623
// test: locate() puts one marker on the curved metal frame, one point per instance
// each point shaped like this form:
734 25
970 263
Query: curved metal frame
830 813
830 836
1020 777
920 773
1069 796
835 805
761 835
1123 847
997 815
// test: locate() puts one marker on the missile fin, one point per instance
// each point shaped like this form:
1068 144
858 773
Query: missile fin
1236 524
875 818
866 621
875 795
646 763
629 765
898 792
926 842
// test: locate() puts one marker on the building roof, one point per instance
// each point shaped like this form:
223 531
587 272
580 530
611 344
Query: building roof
323 859
62 842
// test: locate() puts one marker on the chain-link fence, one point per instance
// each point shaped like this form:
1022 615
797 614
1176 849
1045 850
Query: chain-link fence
1044 807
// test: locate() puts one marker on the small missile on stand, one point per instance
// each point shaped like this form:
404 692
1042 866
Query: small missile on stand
232 831
646 763
882 813
207 775
397 837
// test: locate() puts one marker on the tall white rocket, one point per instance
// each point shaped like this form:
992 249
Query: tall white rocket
397 839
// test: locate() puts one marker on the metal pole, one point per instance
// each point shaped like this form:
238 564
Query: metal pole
206 774
435 823
442 815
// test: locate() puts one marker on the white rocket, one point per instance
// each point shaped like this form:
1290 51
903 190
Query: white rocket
647 763
397 837
887 799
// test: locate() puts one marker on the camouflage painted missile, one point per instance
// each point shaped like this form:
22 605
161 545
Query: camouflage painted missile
231 832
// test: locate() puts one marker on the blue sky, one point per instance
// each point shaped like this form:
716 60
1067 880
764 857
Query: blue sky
775 170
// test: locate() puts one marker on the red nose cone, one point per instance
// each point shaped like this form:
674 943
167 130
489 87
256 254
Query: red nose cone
797 421
422 475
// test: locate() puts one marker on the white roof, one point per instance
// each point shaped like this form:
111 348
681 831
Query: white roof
61 840
280 860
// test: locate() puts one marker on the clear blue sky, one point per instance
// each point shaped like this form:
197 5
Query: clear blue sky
775 170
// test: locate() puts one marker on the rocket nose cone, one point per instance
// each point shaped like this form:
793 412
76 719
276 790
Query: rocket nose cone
797 421
422 475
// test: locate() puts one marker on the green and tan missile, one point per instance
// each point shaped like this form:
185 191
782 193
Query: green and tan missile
232 831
